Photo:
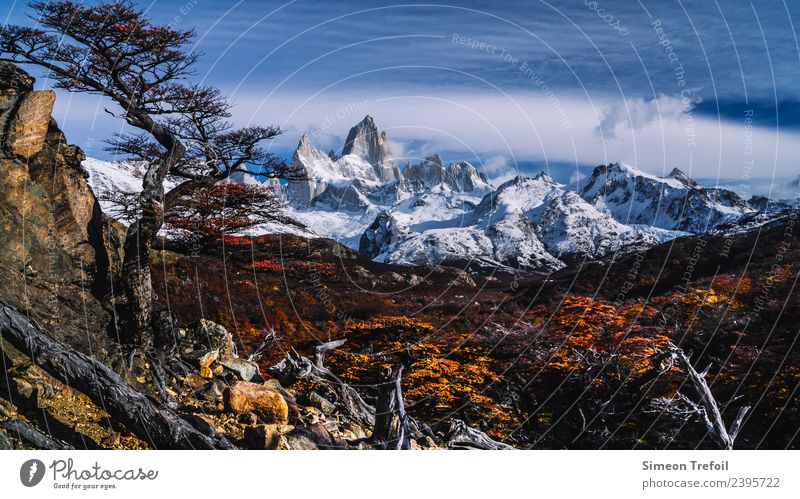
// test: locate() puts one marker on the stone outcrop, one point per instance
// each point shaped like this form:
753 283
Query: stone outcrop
425 175
27 130
57 251
366 141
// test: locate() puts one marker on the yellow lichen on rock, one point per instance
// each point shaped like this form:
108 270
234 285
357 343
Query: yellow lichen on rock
28 130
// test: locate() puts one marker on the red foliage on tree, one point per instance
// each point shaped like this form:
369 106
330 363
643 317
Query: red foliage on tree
207 214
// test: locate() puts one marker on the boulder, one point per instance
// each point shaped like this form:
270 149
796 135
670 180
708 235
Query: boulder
359 273
211 392
208 335
265 436
244 369
322 438
390 278
458 277
57 254
267 404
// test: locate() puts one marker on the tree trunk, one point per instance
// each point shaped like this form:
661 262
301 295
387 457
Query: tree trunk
138 285
391 420
161 428
136 274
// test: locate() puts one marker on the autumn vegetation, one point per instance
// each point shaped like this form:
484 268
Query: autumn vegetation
564 370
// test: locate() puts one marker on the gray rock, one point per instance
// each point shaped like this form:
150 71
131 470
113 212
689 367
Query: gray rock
321 403
208 335
389 278
211 392
323 438
458 277
244 369
298 441
414 279
360 273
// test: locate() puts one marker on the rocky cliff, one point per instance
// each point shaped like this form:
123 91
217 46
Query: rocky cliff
57 252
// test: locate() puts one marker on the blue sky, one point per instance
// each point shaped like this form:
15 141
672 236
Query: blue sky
709 87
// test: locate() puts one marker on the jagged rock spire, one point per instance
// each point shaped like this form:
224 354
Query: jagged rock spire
366 141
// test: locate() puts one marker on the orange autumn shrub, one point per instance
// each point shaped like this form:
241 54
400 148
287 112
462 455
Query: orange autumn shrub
443 375
266 266
593 332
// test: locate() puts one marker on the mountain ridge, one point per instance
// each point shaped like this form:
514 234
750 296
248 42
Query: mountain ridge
431 212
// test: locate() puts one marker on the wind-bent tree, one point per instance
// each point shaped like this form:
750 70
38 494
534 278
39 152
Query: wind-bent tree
112 49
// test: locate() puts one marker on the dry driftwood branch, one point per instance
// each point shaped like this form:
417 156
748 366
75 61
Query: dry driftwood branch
391 429
162 428
30 434
461 436
321 350
294 367
269 337
708 407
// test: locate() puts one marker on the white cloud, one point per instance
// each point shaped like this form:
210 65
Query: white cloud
526 127
398 151
576 177
495 165
520 127
637 113
499 170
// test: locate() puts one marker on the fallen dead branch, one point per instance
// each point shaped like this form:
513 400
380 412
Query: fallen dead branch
160 427
708 408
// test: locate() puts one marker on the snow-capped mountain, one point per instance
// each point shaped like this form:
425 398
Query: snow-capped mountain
366 142
673 202
460 177
107 178
432 212
341 197
528 222
366 173
336 183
